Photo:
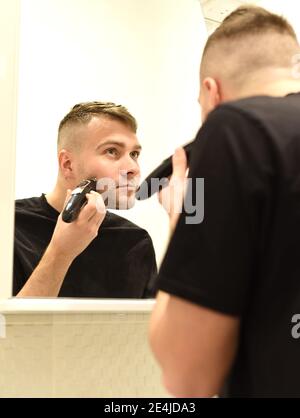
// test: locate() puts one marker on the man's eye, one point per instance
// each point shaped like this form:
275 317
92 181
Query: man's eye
135 154
112 151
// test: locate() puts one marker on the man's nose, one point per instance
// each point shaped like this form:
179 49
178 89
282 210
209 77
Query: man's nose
130 168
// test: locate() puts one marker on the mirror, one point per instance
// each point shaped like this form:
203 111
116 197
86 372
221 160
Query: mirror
132 52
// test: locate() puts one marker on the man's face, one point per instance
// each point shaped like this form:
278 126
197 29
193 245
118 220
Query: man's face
109 152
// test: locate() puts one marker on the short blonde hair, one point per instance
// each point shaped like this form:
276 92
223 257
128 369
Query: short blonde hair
248 39
82 113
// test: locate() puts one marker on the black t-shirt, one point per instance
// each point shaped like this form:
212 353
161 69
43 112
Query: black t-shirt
118 263
243 259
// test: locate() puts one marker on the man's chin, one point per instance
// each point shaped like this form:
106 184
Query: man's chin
122 203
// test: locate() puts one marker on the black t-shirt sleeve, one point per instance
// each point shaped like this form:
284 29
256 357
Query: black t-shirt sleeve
213 263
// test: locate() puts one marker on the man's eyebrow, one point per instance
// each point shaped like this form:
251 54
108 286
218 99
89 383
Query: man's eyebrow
119 144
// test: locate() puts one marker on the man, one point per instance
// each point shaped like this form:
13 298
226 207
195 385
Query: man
230 285
100 254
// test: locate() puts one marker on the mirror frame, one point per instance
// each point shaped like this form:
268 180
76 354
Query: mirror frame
9 57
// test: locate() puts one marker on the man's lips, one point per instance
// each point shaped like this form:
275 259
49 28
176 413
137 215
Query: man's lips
128 187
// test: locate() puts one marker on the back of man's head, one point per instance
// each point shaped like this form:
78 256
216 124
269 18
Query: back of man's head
249 40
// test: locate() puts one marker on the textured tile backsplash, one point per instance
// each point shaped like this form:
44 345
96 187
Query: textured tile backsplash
78 355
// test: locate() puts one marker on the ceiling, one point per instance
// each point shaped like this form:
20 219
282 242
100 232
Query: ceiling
216 10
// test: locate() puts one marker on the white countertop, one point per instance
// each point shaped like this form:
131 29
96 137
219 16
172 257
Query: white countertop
70 305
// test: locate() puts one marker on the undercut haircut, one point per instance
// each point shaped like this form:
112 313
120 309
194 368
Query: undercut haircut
82 114
249 39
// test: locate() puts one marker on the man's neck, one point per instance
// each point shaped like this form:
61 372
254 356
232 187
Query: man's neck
56 198
279 89
276 83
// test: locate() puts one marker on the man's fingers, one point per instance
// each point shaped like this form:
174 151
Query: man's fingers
99 202
94 209
179 162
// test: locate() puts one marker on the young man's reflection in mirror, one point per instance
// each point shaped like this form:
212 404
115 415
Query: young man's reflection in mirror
100 254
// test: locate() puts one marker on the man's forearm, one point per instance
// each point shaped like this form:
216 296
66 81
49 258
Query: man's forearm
47 278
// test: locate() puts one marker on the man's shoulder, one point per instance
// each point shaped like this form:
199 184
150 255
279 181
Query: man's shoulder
30 217
34 208
273 121
263 109
30 204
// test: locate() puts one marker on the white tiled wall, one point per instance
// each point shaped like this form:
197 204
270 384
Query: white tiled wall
78 355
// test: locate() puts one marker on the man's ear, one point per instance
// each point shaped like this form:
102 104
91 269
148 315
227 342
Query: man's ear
212 92
65 162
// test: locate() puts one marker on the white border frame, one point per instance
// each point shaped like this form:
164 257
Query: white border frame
9 54
69 305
